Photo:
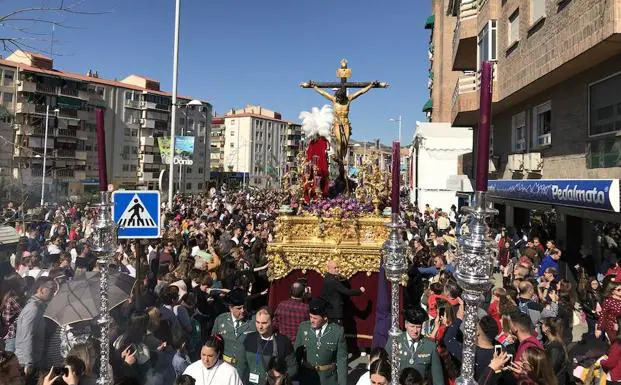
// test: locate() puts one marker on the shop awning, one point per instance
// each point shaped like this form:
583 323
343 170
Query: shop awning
430 22
428 106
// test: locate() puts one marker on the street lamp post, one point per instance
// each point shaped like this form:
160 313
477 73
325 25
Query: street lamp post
171 179
397 120
191 103
47 124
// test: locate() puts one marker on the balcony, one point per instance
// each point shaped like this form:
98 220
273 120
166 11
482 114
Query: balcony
148 123
65 153
80 155
24 108
147 141
46 88
132 104
67 133
68 113
86 115
148 158
465 102
154 106
26 86
465 37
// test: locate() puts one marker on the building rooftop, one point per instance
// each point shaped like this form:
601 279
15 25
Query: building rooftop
84 78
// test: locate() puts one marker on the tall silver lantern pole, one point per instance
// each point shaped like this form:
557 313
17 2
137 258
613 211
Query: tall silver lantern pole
394 253
103 241
474 272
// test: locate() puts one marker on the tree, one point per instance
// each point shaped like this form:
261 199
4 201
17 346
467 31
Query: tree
31 28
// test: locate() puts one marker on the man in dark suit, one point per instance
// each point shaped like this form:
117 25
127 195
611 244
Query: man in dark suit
333 292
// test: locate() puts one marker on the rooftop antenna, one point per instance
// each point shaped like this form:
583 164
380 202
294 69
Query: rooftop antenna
52 42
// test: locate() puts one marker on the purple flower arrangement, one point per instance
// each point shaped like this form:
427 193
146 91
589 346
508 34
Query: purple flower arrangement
339 207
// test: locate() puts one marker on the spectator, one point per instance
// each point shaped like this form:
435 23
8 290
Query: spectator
30 328
291 312
11 295
376 354
522 328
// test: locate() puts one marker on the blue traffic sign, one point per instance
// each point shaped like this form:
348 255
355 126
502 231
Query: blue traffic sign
137 213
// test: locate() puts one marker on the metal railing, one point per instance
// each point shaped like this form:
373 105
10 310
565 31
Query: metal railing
47 88
66 133
64 153
69 91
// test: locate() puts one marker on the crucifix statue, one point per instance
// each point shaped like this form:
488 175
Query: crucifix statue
341 100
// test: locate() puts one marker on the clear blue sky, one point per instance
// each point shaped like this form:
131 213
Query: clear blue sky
238 52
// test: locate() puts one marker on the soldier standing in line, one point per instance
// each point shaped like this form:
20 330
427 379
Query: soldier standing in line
417 351
321 348
233 325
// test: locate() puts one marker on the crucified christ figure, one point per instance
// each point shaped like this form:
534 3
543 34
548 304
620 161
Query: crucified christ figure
341 127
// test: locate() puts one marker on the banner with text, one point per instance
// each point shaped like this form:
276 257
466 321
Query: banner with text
184 150
599 194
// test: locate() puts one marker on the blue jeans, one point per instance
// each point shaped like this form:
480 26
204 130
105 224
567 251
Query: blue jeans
9 345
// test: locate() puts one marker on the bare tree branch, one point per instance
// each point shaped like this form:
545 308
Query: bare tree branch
24 22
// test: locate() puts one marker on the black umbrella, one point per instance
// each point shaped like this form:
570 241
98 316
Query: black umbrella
79 299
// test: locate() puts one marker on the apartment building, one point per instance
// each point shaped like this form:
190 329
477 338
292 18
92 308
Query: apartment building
136 113
258 144
217 143
442 77
556 111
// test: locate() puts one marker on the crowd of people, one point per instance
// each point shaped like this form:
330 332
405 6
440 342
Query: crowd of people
198 313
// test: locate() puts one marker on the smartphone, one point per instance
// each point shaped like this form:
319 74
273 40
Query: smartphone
132 349
60 371
497 349
510 359
441 312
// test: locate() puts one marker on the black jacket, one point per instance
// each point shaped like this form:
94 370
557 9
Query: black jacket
333 292
559 361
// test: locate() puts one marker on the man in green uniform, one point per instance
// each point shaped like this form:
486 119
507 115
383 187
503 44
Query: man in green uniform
260 347
321 348
234 325
415 350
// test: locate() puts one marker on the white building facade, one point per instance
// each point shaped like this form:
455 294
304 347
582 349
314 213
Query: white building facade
434 171
256 145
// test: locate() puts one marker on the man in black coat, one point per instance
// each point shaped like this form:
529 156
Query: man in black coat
333 292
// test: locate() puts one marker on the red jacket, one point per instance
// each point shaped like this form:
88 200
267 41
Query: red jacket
494 312
527 343
613 364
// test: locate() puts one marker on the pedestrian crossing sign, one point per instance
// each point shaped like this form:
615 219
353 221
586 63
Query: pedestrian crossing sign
137 213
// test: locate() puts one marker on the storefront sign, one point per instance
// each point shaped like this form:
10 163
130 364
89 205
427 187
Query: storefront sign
599 194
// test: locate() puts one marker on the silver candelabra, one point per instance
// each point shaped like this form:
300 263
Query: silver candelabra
394 253
474 273
103 241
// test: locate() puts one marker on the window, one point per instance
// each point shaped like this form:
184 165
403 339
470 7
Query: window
232 133
8 78
188 186
542 119
200 170
182 121
127 131
603 153
132 168
605 106
134 150
131 116
537 10
486 42
126 168
7 99
188 170
190 122
232 122
518 129
514 27
200 186
232 145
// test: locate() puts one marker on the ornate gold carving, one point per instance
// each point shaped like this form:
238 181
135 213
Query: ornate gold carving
308 242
